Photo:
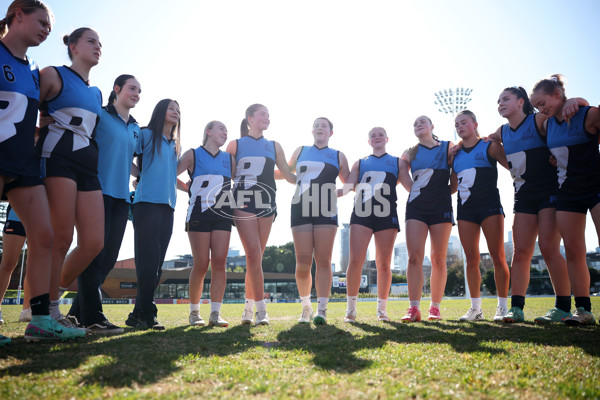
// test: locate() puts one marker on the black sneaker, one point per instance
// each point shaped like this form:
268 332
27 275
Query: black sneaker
132 321
73 320
105 328
154 324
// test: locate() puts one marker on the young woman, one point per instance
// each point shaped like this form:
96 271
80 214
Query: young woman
479 208
314 215
374 178
209 219
117 135
153 207
574 144
70 161
254 192
535 204
428 210
27 23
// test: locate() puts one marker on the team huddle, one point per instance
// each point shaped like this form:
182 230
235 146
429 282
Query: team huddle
75 171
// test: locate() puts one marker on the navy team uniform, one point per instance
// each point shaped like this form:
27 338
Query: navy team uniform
429 200
210 207
153 207
578 162
117 140
478 196
13 225
67 145
19 100
534 178
254 182
316 171
375 200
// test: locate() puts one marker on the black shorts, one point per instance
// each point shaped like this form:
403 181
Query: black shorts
477 216
298 217
14 228
377 223
579 206
57 167
430 218
535 205
21 181
208 221
260 203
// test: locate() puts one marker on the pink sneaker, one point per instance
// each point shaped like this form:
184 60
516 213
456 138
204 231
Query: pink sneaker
413 314
434 314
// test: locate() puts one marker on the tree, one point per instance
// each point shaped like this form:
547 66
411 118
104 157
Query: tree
489 281
455 284
398 278
280 258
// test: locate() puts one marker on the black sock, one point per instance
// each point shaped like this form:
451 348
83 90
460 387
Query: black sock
563 303
517 301
584 302
40 304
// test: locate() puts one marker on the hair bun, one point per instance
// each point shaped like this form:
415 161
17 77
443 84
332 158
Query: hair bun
66 40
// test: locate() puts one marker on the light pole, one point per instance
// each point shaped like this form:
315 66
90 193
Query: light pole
452 101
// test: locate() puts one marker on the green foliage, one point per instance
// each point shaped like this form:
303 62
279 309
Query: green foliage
398 278
489 281
455 283
280 258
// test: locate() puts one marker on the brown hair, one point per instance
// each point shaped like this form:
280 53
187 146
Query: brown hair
471 115
207 128
120 82
549 85
68 40
328 121
412 151
27 6
244 128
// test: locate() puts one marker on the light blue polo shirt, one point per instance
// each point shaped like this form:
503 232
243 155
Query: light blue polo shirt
117 141
158 180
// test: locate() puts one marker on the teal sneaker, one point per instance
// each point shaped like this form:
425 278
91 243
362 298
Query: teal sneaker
554 315
515 314
45 328
4 340
581 317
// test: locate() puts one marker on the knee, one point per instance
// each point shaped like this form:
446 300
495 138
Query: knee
62 242
253 257
303 271
323 262
521 254
415 260
498 259
438 261
304 260
384 268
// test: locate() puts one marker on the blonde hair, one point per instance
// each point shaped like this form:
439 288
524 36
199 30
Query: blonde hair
27 6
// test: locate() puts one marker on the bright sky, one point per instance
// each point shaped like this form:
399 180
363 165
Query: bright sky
360 64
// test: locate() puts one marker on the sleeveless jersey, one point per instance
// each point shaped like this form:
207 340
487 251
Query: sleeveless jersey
376 191
316 172
211 183
477 177
76 111
254 174
528 158
430 171
19 100
577 156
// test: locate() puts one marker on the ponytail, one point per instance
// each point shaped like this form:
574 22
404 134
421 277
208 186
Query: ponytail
208 127
120 82
3 28
245 127
549 85
521 94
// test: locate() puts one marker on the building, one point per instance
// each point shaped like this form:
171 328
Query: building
344 247
400 257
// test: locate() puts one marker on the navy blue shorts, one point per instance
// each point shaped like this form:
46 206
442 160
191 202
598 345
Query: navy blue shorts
21 181
477 216
377 223
430 218
535 205
14 228
579 206
56 167
208 221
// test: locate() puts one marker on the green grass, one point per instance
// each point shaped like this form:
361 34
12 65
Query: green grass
367 360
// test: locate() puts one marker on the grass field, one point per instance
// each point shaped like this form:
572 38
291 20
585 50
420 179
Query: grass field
368 360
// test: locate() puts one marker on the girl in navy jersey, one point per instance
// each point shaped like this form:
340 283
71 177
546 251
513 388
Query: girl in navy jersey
70 161
574 144
428 210
254 193
314 215
374 178
153 206
117 135
209 218
27 23
479 208
535 203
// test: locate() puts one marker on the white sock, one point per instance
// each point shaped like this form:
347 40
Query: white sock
194 307
260 305
414 303
351 303
54 310
305 300
249 306
61 291
433 304
322 303
476 303
503 302
214 306
381 304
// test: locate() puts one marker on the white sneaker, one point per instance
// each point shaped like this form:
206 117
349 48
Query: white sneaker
500 314
25 315
321 318
247 317
350 316
472 315
1 320
216 320
67 324
581 317
196 319
261 318
306 317
382 316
